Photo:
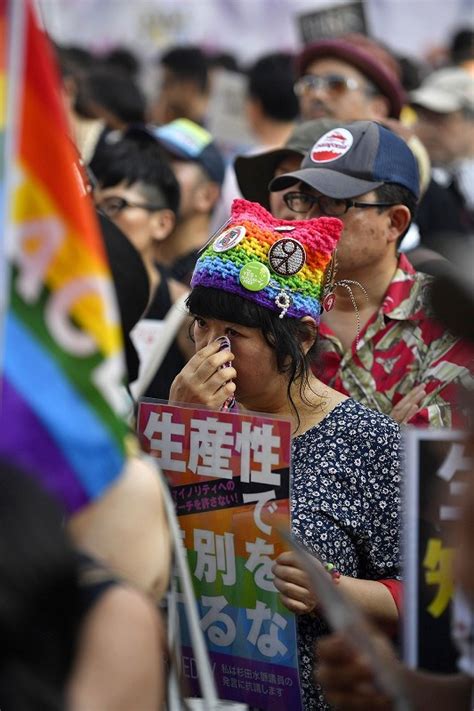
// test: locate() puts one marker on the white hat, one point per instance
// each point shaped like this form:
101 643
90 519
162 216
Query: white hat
445 91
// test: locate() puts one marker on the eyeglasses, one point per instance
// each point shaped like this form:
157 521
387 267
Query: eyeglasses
113 205
331 207
336 83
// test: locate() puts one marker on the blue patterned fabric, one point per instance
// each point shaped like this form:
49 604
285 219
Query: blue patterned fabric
345 504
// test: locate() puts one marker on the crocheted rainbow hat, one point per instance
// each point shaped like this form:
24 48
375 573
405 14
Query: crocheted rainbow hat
278 264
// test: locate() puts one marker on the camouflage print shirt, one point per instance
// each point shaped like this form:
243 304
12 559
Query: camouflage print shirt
401 347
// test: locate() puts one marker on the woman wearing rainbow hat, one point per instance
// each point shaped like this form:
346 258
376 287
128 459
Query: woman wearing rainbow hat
262 283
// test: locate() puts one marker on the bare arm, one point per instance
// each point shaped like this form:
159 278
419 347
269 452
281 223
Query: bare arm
127 528
296 594
119 663
436 692
348 680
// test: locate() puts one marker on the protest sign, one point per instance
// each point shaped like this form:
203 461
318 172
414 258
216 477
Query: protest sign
436 468
332 22
229 475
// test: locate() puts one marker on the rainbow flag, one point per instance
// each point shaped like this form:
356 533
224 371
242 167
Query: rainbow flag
60 396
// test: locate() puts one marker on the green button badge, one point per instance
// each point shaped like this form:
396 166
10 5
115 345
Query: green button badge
254 276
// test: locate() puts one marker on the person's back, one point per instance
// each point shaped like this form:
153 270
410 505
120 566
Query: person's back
39 597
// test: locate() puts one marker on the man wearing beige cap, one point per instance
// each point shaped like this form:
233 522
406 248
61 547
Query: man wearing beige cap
444 104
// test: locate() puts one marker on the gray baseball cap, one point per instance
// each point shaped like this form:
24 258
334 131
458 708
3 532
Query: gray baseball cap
255 172
445 91
354 159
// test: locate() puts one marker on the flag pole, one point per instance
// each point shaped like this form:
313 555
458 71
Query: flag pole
15 13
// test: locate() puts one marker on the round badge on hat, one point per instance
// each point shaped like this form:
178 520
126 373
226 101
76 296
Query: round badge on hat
287 256
254 276
229 239
333 145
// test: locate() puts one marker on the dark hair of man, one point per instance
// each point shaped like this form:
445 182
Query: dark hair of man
398 195
117 92
39 596
123 60
187 64
74 64
270 81
223 60
72 59
141 161
462 45
283 335
412 72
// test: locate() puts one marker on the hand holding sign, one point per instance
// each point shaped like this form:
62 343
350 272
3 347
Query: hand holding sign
294 584
345 617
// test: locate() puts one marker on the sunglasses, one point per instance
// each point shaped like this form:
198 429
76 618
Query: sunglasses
331 207
113 206
335 83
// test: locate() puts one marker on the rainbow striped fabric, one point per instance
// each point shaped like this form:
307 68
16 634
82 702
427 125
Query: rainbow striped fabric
63 362
221 266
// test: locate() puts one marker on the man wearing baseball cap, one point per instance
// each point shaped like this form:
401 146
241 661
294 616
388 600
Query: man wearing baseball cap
444 106
199 168
390 354
255 172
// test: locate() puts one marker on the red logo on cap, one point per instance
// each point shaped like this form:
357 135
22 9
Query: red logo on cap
333 145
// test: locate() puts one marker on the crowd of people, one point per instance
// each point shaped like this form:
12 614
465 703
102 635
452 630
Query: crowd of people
316 251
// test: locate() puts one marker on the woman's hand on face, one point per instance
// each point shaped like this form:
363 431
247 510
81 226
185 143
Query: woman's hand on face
293 584
203 380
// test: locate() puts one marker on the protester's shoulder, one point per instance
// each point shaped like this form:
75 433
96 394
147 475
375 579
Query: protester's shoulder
370 437
368 422
420 282
418 295
435 335
352 424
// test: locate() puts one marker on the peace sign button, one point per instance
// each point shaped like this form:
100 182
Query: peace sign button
287 256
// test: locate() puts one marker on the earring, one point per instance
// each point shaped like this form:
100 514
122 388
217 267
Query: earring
329 291
329 295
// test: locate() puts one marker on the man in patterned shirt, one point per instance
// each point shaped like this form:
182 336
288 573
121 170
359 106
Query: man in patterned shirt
390 355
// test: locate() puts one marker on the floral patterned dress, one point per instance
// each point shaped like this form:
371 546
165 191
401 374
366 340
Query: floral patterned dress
345 503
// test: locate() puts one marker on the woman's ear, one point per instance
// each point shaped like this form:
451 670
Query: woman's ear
310 333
